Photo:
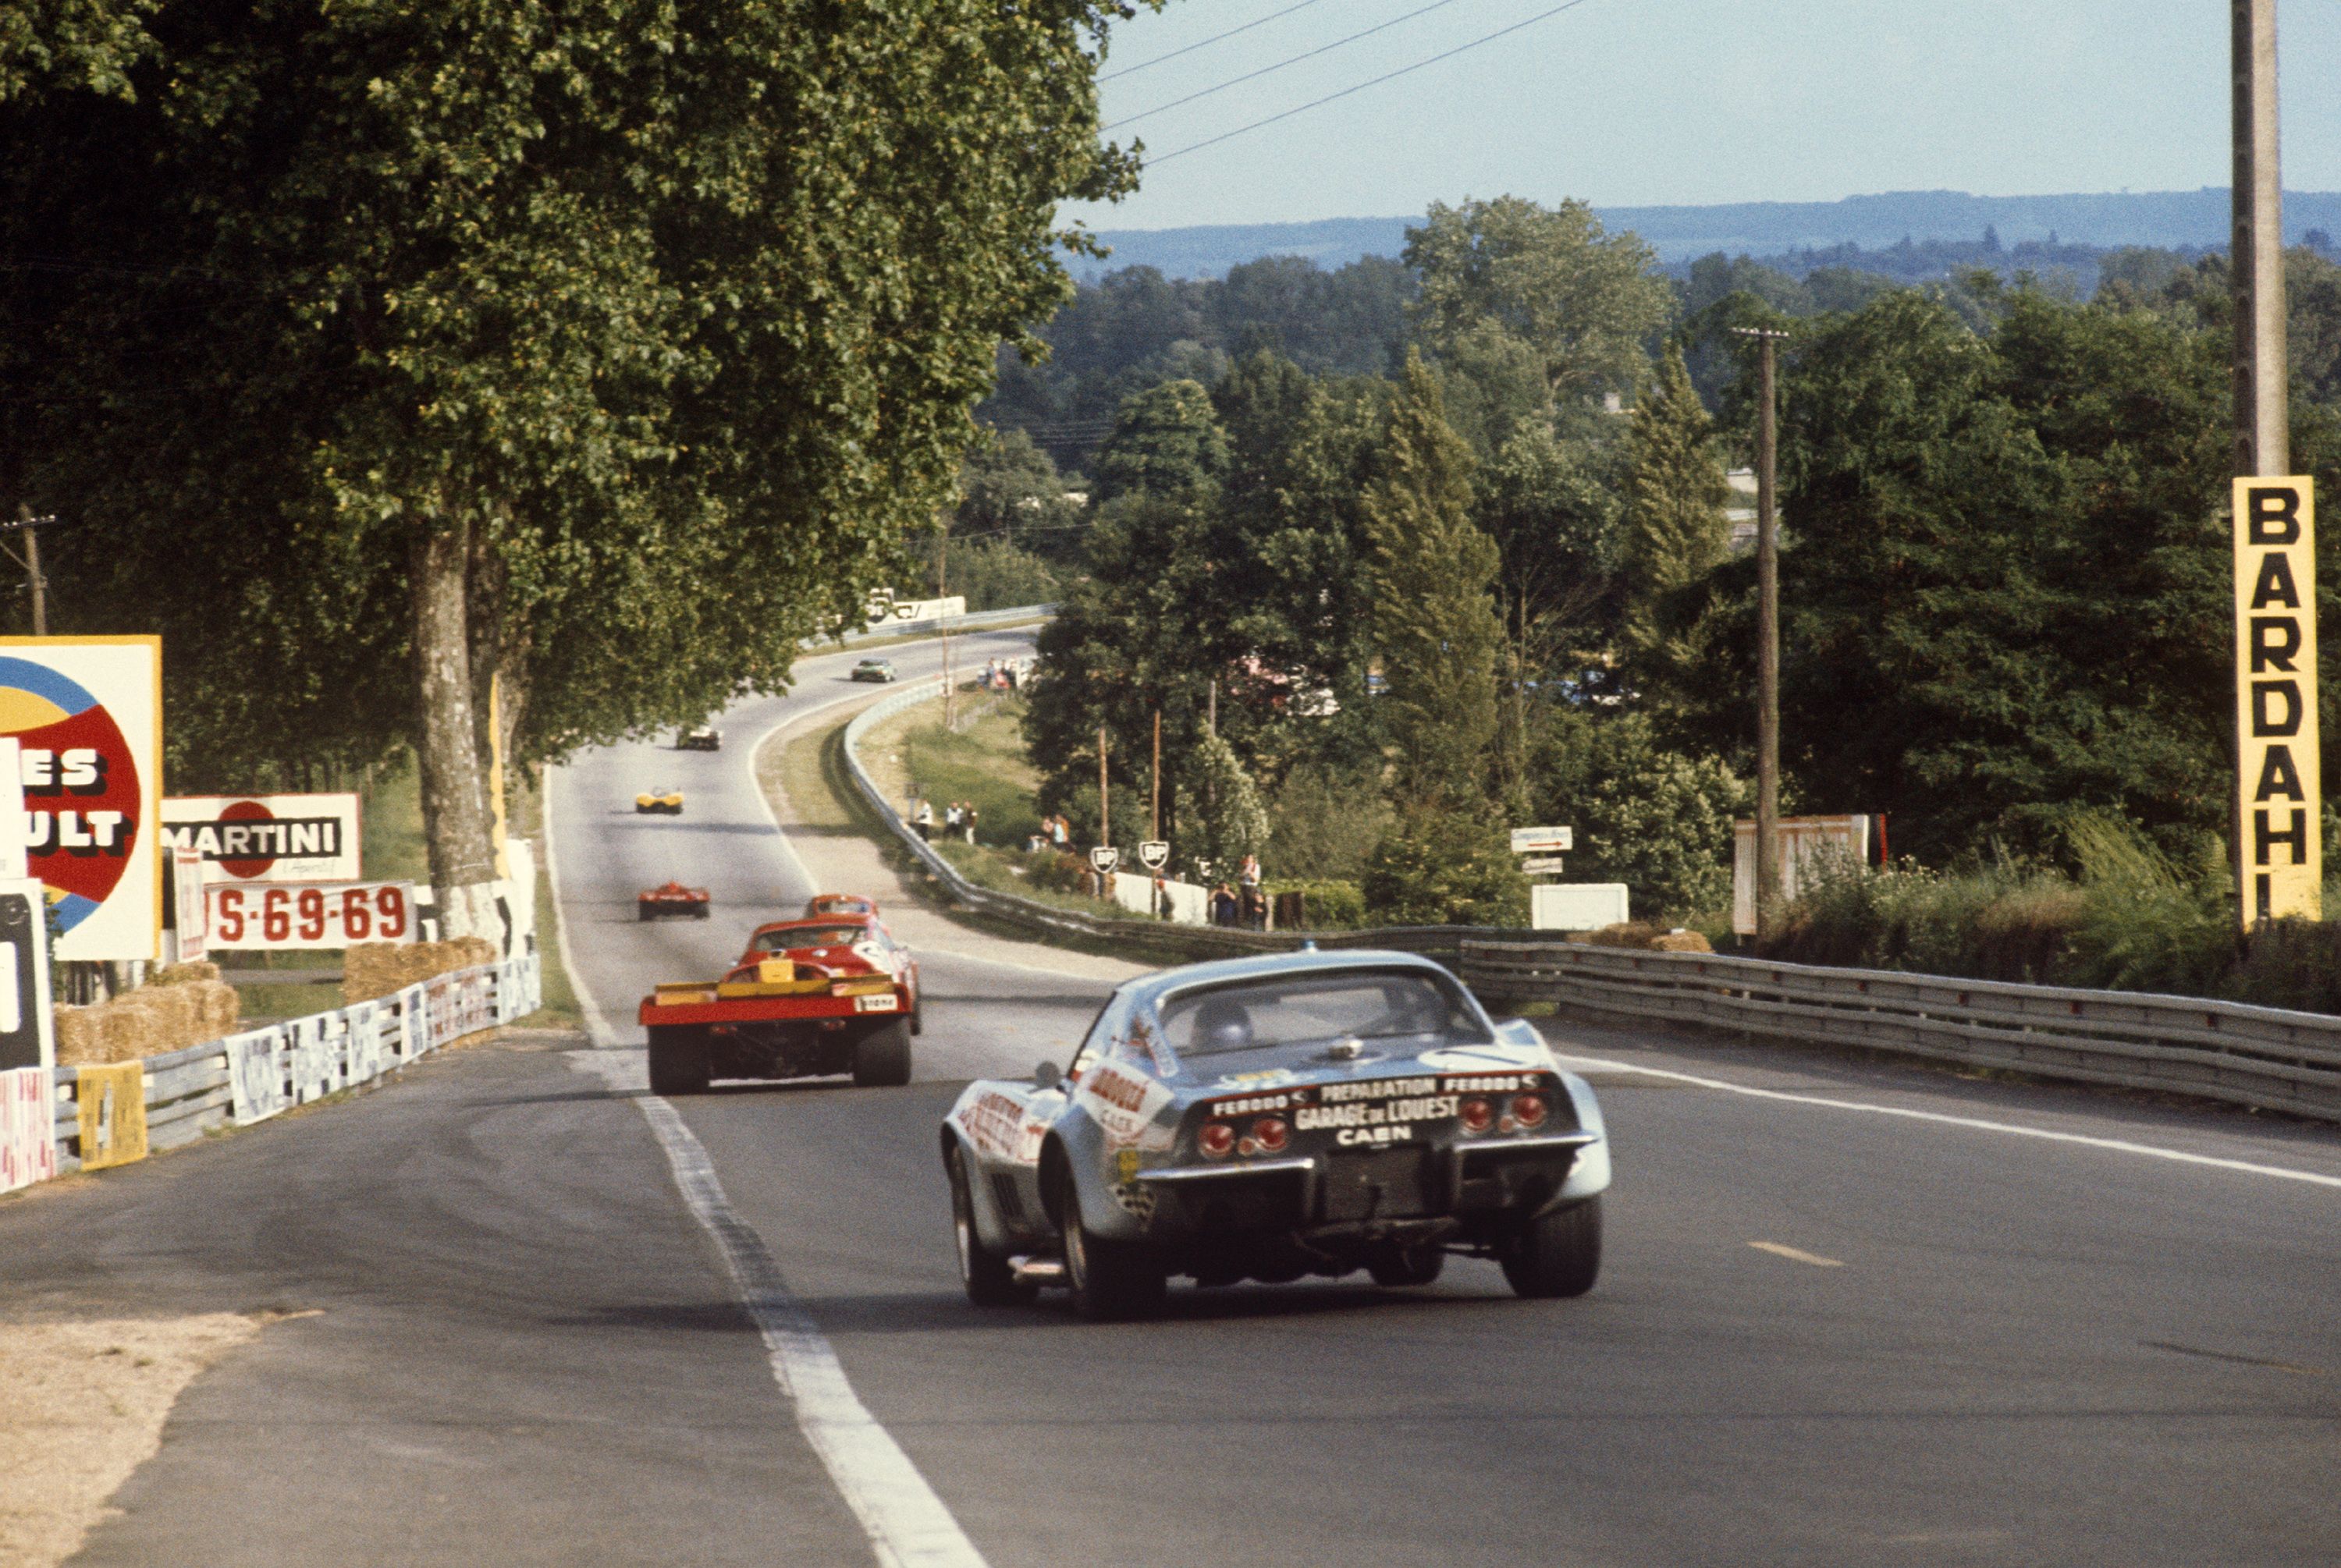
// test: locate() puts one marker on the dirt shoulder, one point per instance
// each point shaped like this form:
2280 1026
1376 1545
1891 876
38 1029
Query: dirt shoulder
801 770
81 1405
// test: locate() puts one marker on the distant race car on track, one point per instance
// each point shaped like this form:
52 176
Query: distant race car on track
808 999
821 904
874 670
1266 1118
674 898
668 802
705 738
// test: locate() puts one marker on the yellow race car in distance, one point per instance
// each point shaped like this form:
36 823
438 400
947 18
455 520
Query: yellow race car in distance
667 802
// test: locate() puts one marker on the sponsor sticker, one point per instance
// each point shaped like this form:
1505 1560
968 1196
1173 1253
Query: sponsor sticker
886 1003
1124 1105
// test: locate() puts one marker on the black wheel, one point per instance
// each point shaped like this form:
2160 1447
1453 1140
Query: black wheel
643 912
1407 1266
984 1273
678 1063
1559 1253
1113 1281
918 1019
699 912
881 1059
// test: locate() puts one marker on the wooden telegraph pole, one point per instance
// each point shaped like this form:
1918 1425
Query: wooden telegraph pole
1768 639
1157 831
1105 806
2278 825
29 527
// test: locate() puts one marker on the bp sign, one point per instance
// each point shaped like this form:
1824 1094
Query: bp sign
1103 859
86 713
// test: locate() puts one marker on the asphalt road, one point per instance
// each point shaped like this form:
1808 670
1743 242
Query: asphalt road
1996 1324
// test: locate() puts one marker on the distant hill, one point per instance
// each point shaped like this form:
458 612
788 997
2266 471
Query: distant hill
2172 218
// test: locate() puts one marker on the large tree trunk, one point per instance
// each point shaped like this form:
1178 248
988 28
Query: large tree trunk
455 823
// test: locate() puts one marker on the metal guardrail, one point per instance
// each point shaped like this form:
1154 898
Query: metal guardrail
2263 1057
189 1092
975 622
1160 936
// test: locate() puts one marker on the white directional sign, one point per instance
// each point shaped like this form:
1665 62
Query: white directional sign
1543 866
1154 854
1543 840
1104 858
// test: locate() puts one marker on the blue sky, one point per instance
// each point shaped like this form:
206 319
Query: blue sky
1634 102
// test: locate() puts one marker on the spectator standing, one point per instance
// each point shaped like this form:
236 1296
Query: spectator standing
923 819
967 814
952 818
1224 908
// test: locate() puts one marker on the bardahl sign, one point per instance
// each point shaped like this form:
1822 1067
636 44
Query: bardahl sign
2279 795
267 838
86 713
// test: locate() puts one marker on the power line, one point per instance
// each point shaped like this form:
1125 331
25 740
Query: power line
1173 55
1387 76
1281 65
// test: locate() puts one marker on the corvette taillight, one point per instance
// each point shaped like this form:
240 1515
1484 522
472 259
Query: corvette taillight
1217 1140
1529 1110
1477 1115
1269 1135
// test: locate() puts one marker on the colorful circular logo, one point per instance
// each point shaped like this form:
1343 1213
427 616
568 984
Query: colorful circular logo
83 800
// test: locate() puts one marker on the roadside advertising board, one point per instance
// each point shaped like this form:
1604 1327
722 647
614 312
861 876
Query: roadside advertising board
28 1127
2279 789
1808 845
27 1028
1543 840
309 837
277 916
86 713
190 923
111 1099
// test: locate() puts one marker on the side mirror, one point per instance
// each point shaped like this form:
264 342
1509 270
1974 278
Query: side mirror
1048 1075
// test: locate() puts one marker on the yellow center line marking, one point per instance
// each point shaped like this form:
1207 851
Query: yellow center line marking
1797 1254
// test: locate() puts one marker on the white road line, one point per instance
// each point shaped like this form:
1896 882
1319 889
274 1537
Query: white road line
2116 1145
1796 1255
907 1523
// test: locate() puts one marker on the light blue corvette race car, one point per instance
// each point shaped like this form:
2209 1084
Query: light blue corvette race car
1309 1113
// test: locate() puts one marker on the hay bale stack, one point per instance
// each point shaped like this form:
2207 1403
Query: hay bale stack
193 970
372 969
1643 937
152 1021
81 1040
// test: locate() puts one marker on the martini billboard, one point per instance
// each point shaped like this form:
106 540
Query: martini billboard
86 713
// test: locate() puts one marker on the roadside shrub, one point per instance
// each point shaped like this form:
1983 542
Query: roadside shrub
1438 867
1057 872
1332 905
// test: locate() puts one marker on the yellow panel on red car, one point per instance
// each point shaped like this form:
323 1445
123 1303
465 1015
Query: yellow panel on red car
672 993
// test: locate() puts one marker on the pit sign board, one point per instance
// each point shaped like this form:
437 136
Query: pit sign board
268 838
86 713
2279 793
279 916
1543 840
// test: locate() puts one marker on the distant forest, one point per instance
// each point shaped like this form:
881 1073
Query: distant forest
1134 328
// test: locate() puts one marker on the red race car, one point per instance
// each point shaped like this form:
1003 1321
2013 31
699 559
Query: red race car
674 899
808 999
821 904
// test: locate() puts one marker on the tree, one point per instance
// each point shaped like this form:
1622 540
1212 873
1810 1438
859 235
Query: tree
1429 571
1550 277
1442 867
1009 490
1652 817
67 43
1166 442
1224 820
608 354
1674 530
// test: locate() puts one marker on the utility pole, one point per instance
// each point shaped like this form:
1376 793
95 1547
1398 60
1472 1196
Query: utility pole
942 590
2263 425
1105 806
1157 833
30 527
1767 640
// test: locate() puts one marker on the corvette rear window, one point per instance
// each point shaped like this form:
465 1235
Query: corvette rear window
1303 1013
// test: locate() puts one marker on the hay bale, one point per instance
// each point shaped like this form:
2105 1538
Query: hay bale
221 1008
1643 937
372 969
1681 941
80 1036
194 969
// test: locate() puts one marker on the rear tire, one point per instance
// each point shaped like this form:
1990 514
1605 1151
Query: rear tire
1399 1267
1558 1254
1113 1282
644 912
678 1064
882 1058
989 1280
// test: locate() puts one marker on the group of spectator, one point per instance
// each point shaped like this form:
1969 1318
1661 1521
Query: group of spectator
999 675
959 820
1055 833
1245 903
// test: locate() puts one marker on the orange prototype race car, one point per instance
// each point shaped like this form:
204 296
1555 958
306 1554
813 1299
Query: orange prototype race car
809 998
674 899
821 904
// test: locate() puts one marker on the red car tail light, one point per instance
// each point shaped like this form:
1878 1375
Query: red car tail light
1477 1115
1529 1110
1270 1135
1216 1139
